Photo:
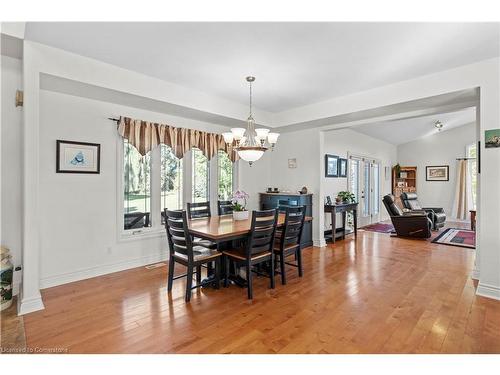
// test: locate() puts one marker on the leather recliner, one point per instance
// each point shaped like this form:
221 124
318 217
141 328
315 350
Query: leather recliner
414 224
436 214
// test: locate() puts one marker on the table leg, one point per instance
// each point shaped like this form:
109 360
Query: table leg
355 218
343 224
334 225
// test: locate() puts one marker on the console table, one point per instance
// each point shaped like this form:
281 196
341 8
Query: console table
280 200
335 232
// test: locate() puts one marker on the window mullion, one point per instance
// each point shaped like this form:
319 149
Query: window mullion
187 170
155 188
213 188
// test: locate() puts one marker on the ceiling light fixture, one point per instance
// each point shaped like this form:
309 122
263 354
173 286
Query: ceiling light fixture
439 125
251 142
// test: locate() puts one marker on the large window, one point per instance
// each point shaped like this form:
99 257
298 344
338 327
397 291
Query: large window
170 179
160 180
136 188
200 177
225 176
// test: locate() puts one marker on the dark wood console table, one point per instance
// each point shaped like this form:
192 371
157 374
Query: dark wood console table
335 232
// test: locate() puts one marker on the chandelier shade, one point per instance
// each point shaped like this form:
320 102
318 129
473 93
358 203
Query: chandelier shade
250 142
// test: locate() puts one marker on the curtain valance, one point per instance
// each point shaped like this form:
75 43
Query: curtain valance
145 136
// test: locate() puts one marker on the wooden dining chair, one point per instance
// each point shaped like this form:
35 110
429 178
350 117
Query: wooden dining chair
183 251
224 207
258 249
287 242
198 210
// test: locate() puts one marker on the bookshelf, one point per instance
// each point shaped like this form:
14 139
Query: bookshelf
404 182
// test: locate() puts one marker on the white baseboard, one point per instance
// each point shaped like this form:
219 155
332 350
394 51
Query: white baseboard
88 273
26 306
489 291
319 243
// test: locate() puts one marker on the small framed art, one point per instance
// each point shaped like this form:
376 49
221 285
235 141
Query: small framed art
437 173
331 165
342 167
78 157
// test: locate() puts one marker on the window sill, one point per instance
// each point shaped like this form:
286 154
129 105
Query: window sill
141 234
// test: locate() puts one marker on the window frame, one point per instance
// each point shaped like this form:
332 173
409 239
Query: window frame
156 229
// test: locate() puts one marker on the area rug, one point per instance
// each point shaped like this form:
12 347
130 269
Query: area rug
379 227
457 237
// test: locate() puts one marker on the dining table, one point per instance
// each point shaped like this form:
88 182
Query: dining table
225 231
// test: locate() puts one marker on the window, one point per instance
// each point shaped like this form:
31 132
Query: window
149 184
354 178
170 179
136 188
376 187
225 176
201 177
471 152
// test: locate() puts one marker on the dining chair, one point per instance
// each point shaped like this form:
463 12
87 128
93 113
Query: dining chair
258 248
287 242
198 210
183 251
224 207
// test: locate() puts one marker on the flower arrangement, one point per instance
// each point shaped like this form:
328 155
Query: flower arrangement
346 197
240 200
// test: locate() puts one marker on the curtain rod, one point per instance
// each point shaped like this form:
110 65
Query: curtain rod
114 119
466 158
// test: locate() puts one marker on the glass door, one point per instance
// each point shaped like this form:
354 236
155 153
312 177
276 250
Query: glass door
364 182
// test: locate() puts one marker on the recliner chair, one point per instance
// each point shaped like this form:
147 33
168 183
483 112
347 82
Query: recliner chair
436 214
414 224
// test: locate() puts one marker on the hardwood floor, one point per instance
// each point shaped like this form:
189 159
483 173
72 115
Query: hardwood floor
376 294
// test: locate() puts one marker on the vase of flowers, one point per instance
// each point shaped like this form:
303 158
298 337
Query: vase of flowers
239 200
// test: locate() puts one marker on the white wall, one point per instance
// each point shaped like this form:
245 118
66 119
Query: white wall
78 227
305 147
438 149
11 156
344 141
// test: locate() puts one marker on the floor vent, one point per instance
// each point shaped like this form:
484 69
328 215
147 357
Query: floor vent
156 265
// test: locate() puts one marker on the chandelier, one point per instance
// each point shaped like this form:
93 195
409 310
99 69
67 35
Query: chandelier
250 142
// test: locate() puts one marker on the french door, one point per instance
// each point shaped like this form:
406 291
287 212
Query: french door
364 182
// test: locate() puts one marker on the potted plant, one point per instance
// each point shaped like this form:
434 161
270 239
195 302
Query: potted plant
239 205
397 169
345 197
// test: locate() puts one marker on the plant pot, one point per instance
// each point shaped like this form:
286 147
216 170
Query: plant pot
240 215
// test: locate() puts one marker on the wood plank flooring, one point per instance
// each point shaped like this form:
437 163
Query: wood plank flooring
376 294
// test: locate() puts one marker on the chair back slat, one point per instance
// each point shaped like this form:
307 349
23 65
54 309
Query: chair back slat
179 239
293 226
198 210
262 231
224 207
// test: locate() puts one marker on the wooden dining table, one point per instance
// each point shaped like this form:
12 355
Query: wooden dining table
223 230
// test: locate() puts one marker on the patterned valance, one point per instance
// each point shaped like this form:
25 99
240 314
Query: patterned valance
145 136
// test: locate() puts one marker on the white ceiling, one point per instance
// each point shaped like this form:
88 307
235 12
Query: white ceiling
406 130
295 63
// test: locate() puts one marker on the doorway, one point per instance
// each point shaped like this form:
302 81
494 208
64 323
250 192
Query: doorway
364 182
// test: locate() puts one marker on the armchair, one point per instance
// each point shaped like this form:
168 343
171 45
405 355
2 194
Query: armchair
414 224
436 214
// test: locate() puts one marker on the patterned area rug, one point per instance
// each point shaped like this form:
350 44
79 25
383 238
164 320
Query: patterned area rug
379 227
457 237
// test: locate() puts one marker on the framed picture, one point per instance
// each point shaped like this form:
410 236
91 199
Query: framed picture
342 167
331 165
492 138
437 173
328 200
78 157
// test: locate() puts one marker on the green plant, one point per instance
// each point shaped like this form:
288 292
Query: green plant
397 169
346 196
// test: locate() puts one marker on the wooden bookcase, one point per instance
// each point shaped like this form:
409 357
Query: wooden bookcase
405 182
